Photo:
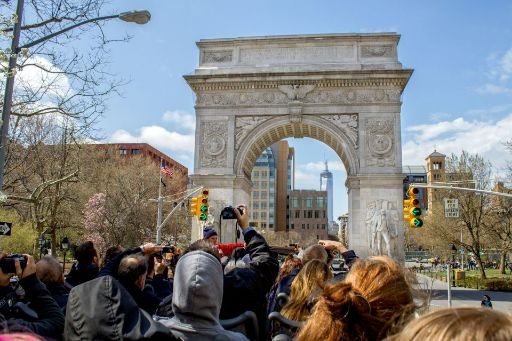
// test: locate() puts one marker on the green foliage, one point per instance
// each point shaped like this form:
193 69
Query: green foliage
23 237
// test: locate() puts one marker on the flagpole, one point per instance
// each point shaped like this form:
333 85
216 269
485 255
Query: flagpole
160 207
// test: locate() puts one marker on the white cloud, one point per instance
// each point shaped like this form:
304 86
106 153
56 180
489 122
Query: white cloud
506 65
488 111
158 137
483 137
181 118
494 89
306 180
320 166
33 77
437 116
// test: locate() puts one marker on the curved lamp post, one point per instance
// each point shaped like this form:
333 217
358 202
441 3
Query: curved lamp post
139 17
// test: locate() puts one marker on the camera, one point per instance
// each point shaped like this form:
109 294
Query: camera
168 249
7 263
229 212
294 245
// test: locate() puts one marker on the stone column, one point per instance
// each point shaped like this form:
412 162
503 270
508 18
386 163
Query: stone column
225 190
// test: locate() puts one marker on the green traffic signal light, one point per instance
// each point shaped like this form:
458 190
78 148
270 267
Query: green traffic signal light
204 208
203 217
416 222
416 211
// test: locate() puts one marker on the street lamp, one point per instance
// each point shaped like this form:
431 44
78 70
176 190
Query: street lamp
64 245
138 17
42 245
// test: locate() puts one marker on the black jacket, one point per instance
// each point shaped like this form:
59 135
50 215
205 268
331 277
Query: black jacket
247 288
50 321
158 286
102 309
80 273
144 299
59 293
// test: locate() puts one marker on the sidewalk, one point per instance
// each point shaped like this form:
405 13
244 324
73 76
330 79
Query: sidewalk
462 296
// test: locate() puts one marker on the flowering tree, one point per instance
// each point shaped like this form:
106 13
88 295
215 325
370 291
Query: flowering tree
94 221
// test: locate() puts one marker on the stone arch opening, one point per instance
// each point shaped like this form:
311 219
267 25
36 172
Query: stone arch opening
340 136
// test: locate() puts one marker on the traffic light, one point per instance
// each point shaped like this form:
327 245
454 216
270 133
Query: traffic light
193 206
202 213
412 209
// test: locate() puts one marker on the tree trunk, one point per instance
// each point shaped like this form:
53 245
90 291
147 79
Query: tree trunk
480 266
53 237
503 260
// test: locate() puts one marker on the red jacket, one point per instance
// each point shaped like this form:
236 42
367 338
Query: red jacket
227 249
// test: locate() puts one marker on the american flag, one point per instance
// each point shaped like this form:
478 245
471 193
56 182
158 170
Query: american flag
166 170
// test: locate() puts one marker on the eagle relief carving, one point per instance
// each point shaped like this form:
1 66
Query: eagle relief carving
296 92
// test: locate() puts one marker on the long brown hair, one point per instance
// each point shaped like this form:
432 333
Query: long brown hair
290 262
458 324
374 299
310 278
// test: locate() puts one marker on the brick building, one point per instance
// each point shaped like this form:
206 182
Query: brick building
308 213
147 151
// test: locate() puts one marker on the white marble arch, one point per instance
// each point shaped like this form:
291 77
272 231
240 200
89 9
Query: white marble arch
341 89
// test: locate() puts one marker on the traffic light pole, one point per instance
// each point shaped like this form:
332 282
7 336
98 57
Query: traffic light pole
463 189
162 223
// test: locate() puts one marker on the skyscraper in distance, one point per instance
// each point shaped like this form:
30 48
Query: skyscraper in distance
327 185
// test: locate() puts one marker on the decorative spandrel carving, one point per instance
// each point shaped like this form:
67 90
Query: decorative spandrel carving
347 123
380 137
382 225
224 56
244 125
377 51
296 92
213 142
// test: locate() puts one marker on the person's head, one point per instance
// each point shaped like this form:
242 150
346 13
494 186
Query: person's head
458 324
210 235
86 254
111 253
487 298
372 302
314 252
290 262
310 278
132 270
203 245
49 271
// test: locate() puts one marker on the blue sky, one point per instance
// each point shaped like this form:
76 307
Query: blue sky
460 95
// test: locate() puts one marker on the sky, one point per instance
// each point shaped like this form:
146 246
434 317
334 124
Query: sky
459 97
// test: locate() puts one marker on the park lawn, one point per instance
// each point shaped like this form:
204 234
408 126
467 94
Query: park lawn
494 281
490 273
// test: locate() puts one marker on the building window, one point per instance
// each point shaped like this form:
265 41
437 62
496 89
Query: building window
309 202
323 215
270 226
263 174
305 214
264 205
295 202
264 225
256 204
307 226
320 202
323 226
310 214
293 226
263 215
256 184
255 195
297 214
317 236
135 151
123 151
436 165
263 194
254 215
303 226
317 226
317 214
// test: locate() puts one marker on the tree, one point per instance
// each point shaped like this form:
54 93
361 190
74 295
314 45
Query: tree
467 170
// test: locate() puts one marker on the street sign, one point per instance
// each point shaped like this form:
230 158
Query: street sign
451 208
5 228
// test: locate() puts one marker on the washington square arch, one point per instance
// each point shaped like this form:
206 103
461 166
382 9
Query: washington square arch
342 89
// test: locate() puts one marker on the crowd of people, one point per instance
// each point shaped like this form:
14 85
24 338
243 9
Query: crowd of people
236 292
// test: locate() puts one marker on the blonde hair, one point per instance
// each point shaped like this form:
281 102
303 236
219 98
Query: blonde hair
310 278
374 299
458 324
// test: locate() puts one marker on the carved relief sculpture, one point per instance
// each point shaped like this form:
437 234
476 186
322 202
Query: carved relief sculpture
347 123
296 92
377 51
379 137
224 56
244 125
214 140
382 227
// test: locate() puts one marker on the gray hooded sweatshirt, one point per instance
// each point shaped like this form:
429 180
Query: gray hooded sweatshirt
196 300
